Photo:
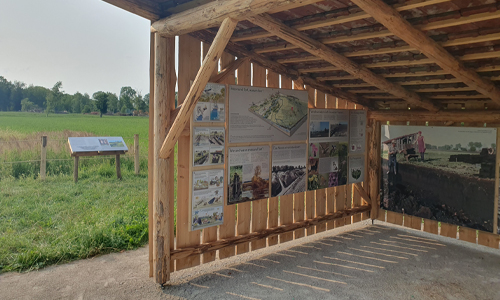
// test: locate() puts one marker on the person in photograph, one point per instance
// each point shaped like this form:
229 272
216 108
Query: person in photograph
421 145
393 161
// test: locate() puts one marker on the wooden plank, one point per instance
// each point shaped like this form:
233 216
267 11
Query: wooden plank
488 239
324 52
467 234
198 86
393 21
374 168
356 202
366 180
228 71
273 81
381 215
212 14
348 201
244 209
164 89
186 252
287 201
298 213
189 49
448 230
340 198
209 234
431 226
259 207
310 195
151 150
331 102
394 218
228 229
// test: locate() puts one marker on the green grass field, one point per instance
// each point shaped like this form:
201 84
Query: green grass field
56 220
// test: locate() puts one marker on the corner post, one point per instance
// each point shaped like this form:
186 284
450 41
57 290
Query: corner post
43 159
118 167
374 163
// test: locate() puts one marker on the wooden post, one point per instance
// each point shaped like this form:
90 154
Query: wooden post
136 154
162 179
43 159
118 168
151 149
75 170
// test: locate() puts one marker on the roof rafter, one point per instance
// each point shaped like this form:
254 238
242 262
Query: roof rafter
318 49
393 21
236 50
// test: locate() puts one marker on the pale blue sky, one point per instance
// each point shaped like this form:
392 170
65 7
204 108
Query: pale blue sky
89 45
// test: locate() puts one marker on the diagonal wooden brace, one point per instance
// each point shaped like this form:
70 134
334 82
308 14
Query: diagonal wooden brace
199 83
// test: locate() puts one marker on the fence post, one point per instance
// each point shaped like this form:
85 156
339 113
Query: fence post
118 169
75 170
43 159
136 154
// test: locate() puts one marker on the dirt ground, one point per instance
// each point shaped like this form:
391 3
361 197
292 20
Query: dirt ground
361 261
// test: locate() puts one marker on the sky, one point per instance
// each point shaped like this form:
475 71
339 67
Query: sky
440 136
88 45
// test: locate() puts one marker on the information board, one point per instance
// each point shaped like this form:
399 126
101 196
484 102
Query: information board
357 131
211 105
97 144
264 114
207 199
288 169
208 146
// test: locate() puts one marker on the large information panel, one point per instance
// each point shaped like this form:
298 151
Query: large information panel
97 144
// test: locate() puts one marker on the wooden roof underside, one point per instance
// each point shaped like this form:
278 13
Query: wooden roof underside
469 30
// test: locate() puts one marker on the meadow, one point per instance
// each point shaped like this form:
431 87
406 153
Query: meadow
55 220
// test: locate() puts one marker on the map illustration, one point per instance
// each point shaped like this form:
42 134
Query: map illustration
285 113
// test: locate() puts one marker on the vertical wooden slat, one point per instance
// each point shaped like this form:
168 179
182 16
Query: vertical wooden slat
151 149
496 212
431 226
394 218
331 102
298 213
244 209
467 234
310 195
228 229
164 95
374 165
259 207
348 201
273 81
448 230
320 194
381 215
489 240
366 181
356 197
189 64
209 234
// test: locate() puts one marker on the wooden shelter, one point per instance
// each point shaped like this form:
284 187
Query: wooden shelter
418 62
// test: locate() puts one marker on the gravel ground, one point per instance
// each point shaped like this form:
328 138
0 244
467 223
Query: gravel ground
360 261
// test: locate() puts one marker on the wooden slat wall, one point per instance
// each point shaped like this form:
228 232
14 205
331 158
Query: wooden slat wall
259 207
331 102
188 68
310 195
320 194
286 202
244 209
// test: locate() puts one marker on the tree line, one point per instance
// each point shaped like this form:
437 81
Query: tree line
18 96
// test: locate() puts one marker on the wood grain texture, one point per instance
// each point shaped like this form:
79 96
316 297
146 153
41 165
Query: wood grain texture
151 150
228 71
212 14
467 234
395 23
244 209
448 230
188 68
320 194
265 233
488 239
200 81
340 198
259 207
431 226
374 167
394 218
310 195
472 116
298 213
324 52
164 89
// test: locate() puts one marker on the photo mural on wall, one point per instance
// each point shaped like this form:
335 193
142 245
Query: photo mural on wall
445 174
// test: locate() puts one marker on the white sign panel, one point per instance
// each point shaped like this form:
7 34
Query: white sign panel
357 131
356 169
99 144
207 201
208 146
266 114
211 105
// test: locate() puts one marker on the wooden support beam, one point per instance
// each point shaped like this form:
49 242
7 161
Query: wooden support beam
222 243
470 116
340 20
414 82
164 89
373 167
146 9
213 14
293 74
199 83
316 48
364 195
393 21
384 33
228 70
151 152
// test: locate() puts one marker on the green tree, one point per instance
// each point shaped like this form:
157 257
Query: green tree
112 102
53 98
27 105
478 145
101 102
494 146
458 146
127 95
